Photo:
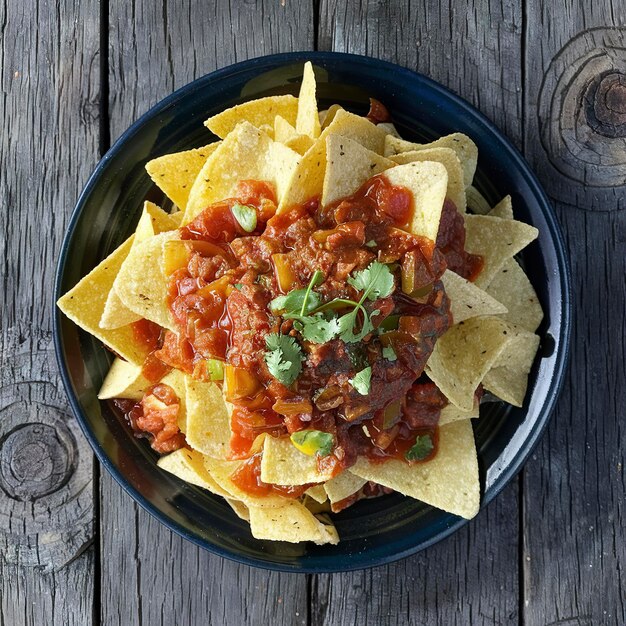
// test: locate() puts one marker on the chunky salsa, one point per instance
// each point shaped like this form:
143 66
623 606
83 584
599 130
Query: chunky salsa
221 296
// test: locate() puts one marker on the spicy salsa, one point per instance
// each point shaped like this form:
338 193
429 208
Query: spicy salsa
227 273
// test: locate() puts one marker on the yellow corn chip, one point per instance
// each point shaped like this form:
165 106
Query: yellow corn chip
464 147
141 283
467 300
452 413
307 120
390 129
464 354
318 493
343 486
512 287
476 202
327 116
427 181
449 481
188 465
153 220
283 464
84 305
292 522
124 380
258 112
449 159
503 209
496 240
175 173
208 421
349 165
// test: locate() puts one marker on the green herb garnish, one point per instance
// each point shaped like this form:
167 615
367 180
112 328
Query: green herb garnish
245 215
362 381
375 281
421 449
283 357
389 353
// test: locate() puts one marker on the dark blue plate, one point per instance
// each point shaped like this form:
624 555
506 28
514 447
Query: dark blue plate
372 532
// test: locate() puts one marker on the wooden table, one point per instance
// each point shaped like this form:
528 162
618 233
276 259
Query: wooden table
74 549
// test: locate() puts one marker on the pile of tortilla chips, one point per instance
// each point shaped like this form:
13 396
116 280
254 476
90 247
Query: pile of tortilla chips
328 154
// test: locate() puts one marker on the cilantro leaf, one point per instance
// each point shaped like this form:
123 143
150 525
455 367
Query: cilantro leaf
245 215
294 300
347 323
375 281
316 328
362 381
389 353
422 448
283 357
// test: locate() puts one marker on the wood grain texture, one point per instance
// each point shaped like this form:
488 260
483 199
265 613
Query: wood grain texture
154 49
573 512
472 577
49 111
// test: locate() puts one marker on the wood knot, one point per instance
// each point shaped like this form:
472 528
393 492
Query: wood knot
582 119
606 104
36 460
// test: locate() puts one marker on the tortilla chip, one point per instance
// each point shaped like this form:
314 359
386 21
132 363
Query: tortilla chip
467 300
512 287
327 116
292 522
124 380
208 421
452 413
246 154
307 120
343 486
283 130
240 509
349 165
84 305
464 147
141 283
390 129
174 174
284 464
503 209
188 465
318 493
464 354
153 220
449 481
256 112
358 129
221 471
496 240
449 159
427 181
476 202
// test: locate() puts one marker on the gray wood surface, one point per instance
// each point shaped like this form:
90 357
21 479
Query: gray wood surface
551 549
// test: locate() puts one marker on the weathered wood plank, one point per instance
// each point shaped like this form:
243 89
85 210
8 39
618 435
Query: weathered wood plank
472 577
49 108
575 537
155 48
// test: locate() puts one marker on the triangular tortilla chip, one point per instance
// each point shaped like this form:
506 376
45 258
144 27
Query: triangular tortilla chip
175 173
389 128
188 465
246 154
467 300
449 481
343 486
427 181
208 421
283 464
318 493
349 165
449 159
84 305
153 220
124 380
308 121
258 112
452 413
292 522
327 116
464 354
464 147
357 128
141 283
476 202
512 287
496 240
503 209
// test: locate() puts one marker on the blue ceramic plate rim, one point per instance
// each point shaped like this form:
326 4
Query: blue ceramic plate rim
361 560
